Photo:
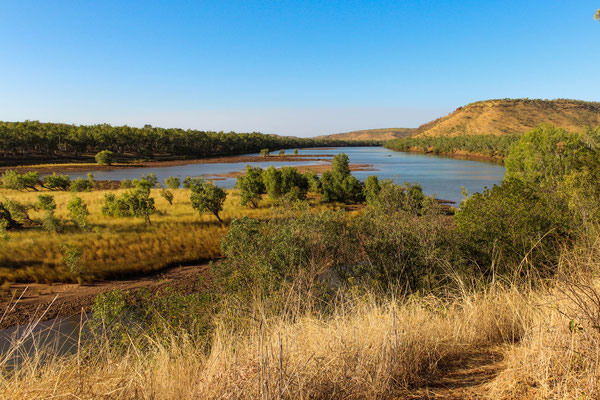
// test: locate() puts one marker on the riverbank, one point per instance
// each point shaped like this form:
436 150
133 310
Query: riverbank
460 154
80 167
68 299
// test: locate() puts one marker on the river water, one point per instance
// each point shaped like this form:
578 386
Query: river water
442 176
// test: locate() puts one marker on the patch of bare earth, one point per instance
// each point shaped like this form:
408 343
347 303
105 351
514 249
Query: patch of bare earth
66 299
462 377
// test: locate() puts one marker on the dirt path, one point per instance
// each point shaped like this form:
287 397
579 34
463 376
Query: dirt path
462 377
67 299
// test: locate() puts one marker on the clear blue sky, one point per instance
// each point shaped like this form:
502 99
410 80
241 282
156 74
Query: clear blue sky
288 67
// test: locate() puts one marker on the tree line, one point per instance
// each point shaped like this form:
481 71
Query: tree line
52 139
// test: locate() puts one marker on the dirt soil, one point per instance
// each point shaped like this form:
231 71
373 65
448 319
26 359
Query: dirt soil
66 299
462 377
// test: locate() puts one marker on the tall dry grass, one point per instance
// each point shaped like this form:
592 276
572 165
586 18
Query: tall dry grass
365 349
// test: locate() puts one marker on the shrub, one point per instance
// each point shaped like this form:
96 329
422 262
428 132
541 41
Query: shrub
15 181
391 197
338 184
193 183
314 185
78 212
282 152
80 185
272 182
167 195
72 259
50 223
295 152
172 182
133 203
208 198
6 219
56 182
46 202
251 186
265 153
371 189
126 184
105 157
17 211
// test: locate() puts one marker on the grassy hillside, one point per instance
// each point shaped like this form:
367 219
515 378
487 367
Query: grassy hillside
513 116
371 134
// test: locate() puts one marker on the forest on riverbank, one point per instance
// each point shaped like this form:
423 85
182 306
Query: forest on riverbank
33 141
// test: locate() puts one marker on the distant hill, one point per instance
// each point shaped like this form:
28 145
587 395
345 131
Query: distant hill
513 116
371 134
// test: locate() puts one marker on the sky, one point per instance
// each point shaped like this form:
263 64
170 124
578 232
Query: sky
300 68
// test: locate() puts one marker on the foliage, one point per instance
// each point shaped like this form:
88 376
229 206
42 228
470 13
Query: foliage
17 211
133 203
167 195
272 182
295 152
193 184
282 152
78 212
208 198
126 184
33 137
72 259
338 184
487 145
251 186
15 181
46 202
172 182
105 157
146 182
81 185
265 152
371 189
50 223
6 219
408 197
56 182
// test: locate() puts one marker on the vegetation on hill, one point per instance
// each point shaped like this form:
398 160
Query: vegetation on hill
378 135
513 116
319 302
52 140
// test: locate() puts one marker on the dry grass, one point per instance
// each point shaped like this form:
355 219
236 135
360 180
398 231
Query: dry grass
364 350
117 247
499 117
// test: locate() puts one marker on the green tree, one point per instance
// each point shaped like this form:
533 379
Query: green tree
340 166
295 152
56 182
15 181
272 182
371 189
167 195
105 157
46 202
193 183
282 152
208 198
133 203
172 182
80 185
78 212
49 222
251 186
265 153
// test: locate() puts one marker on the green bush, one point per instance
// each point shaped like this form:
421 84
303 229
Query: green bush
15 181
251 186
265 152
81 185
133 203
167 195
208 198
56 182
105 157
172 182
78 212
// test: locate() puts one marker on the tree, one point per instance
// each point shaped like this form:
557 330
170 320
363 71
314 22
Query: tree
15 181
251 186
282 152
56 182
49 221
371 189
133 203
340 166
265 153
208 198
78 212
272 181
167 195
193 183
46 202
295 152
172 182
105 157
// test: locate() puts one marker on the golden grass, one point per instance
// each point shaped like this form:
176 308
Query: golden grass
117 247
365 350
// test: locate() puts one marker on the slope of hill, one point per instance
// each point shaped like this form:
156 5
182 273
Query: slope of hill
513 116
371 134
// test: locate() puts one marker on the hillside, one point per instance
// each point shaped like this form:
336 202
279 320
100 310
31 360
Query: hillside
371 134
513 116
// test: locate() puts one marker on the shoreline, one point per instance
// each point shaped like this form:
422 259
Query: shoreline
459 154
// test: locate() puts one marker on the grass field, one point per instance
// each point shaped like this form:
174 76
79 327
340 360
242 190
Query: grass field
117 247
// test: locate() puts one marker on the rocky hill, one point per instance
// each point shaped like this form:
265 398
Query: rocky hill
371 134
